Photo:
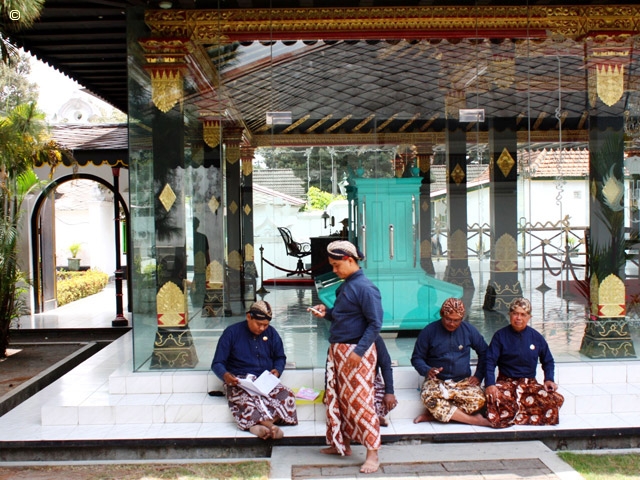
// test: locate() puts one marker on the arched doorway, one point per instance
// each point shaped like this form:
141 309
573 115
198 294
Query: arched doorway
43 239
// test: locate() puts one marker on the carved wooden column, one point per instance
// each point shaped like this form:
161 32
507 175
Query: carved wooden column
504 284
607 332
249 269
423 157
231 138
457 270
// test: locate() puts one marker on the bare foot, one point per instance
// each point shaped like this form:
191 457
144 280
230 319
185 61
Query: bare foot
261 431
371 463
276 432
482 421
424 417
334 451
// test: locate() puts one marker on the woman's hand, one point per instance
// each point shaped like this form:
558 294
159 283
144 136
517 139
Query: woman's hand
230 379
433 373
353 360
550 386
491 393
318 310
275 372
473 381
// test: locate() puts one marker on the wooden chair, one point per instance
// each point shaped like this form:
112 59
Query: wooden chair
295 249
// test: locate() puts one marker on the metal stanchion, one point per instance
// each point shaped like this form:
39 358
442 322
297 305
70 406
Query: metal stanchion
543 287
262 290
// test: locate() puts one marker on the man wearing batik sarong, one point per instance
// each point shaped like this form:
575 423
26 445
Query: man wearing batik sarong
516 397
442 355
245 350
356 319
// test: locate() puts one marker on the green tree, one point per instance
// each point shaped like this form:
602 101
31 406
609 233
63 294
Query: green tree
15 87
16 15
24 139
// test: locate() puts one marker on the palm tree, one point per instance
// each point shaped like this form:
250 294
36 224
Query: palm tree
16 15
24 139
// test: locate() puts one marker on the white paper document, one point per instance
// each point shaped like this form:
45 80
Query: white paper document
261 385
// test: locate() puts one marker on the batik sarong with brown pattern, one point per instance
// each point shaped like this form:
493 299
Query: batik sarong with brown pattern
378 396
523 401
349 399
250 409
443 397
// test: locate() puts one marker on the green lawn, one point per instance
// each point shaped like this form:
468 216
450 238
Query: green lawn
594 466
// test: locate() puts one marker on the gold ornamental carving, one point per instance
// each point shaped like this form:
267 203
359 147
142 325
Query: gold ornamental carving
610 83
233 207
166 88
235 260
232 154
594 295
457 175
505 162
215 275
211 131
213 204
506 254
171 306
224 26
247 167
458 245
249 253
611 298
167 197
247 209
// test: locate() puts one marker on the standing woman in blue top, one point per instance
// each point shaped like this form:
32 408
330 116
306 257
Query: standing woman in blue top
245 350
356 319
516 398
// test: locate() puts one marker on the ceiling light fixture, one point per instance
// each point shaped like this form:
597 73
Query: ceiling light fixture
165 4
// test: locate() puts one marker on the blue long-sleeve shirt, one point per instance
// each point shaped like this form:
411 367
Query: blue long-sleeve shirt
516 355
384 364
437 347
356 316
240 352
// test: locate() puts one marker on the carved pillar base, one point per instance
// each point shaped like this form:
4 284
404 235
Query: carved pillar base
173 348
459 276
213 301
498 296
607 339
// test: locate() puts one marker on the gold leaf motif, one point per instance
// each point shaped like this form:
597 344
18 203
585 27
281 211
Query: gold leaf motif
458 245
247 167
200 262
232 154
166 88
215 273
167 197
613 191
211 133
235 260
247 209
249 252
506 254
233 207
610 83
458 174
612 297
594 292
505 162
171 303
424 206
213 204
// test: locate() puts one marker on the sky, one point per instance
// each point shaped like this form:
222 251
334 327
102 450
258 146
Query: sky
56 88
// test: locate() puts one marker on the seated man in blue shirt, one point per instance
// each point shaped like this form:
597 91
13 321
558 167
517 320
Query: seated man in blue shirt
245 350
442 354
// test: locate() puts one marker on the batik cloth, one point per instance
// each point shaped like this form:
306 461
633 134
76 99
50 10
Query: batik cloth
523 401
378 396
250 409
443 397
349 399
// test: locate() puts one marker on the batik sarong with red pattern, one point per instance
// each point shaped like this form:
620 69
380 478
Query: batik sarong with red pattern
523 401
250 409
349 399
378 396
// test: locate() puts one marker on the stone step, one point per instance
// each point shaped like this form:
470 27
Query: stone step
182 396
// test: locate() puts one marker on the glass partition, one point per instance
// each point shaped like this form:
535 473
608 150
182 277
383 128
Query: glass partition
483 166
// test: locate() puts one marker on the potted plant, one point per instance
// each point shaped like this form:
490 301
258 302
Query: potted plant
73 263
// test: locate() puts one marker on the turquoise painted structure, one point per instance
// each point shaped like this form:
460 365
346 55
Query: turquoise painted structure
383 223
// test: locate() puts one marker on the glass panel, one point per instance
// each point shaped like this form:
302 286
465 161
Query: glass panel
460 166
